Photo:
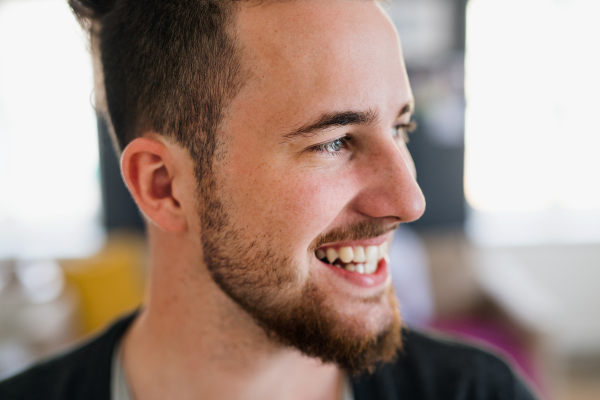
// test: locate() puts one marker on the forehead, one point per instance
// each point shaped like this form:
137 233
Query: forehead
315 56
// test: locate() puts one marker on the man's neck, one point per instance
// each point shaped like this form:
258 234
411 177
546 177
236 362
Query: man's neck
198 342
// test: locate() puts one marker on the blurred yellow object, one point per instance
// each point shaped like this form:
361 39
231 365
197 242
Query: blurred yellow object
110 283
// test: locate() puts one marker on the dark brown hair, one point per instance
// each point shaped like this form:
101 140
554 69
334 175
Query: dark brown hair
169 66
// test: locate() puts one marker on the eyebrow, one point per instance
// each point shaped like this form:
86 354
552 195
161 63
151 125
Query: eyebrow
344 118
407 109
333 120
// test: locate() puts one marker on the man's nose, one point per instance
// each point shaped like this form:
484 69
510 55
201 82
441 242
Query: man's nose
391 190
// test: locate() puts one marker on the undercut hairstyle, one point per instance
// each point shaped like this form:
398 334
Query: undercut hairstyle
167 66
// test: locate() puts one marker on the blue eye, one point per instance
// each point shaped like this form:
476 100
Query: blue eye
401 131
334 147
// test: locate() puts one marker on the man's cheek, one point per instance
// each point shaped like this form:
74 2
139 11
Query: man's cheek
314 202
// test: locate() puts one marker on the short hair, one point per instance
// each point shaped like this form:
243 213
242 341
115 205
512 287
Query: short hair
169 66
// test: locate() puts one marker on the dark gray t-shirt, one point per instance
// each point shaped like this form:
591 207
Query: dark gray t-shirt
426 369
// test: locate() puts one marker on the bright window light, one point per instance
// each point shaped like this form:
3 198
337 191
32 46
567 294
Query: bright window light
532 170
49 177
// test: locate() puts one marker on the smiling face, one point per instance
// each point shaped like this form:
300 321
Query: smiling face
311 175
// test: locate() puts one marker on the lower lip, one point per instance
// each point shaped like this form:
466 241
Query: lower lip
363 280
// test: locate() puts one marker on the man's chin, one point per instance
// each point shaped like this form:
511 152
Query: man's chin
356 342
357 336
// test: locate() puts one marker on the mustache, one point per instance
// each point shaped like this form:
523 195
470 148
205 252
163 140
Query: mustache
358 231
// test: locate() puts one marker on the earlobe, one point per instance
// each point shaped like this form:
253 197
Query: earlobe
149 173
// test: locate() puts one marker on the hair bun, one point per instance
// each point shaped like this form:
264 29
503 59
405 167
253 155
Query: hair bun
91 8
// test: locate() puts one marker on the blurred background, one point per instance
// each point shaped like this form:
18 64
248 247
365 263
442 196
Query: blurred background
507 254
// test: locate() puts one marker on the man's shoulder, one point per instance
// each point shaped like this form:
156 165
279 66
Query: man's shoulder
436 367
81 373
443 355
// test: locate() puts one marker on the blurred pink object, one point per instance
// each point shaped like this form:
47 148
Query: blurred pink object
500 339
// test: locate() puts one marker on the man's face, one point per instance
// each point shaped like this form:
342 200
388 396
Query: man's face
282 194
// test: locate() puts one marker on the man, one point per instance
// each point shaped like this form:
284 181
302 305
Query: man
264 143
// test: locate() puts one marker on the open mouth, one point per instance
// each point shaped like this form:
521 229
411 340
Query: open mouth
360 259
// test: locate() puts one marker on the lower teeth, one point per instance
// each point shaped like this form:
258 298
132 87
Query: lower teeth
360 268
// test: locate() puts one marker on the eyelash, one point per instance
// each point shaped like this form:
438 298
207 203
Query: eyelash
322 148
401 130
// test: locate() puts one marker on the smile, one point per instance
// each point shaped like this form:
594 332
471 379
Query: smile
360 259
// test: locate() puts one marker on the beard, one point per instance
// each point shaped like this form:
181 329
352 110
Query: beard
266 284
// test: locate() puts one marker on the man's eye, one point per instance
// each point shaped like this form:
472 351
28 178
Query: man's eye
333 147
401 131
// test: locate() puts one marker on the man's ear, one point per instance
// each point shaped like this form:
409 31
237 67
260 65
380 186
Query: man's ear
149 171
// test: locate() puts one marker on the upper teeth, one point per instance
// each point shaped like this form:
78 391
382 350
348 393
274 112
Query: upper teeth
357 258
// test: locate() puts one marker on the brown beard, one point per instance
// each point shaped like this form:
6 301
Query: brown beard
317 331
254 275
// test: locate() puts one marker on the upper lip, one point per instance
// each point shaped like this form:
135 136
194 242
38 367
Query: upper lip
376 241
